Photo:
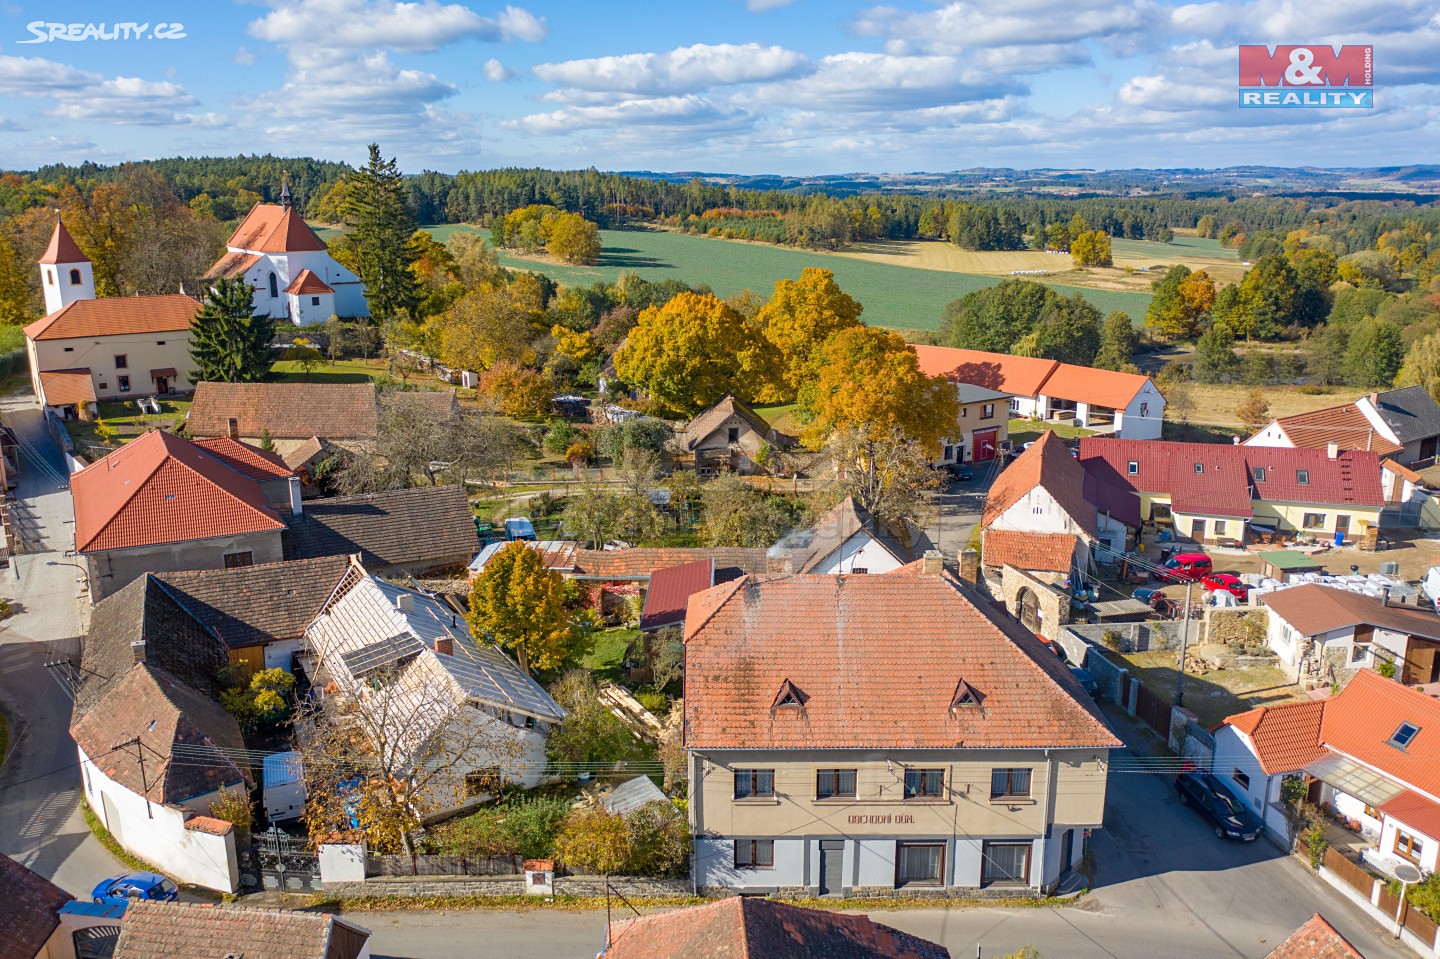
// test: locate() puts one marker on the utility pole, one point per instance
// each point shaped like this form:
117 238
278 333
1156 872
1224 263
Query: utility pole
140 758
1184 641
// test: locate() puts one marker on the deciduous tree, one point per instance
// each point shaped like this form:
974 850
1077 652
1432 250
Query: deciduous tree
1422 366
734 513
1091 248
519 390
574 239
886 472
802 314
228 342
1253 411
1374 355
1118 342
521 606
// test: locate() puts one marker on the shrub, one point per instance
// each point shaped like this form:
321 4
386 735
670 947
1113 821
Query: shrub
559 437
1111 639
657 702
234 806
591 733
1317 843
1386 668
531 823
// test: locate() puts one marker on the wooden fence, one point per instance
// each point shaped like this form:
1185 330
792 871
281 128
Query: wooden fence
1412 918
1152 710
378 865
1353 873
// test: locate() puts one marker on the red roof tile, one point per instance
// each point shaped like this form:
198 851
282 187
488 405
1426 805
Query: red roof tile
1360 720
162 489
743 927
1344 425
209 824
1020 375
307 282
1317 939
1047 465
1415 810
1084 384
169 313
62 248
877 659
1047 552
670 590
231 266
250 460
286 410
271 228
1313 609
31 913
1285 737
64 387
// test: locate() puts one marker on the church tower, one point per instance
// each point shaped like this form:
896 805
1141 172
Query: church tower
65 272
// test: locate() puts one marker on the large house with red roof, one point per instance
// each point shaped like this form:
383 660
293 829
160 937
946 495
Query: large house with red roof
115 348
1126 405
1214 494
1371 753
849 735
294 276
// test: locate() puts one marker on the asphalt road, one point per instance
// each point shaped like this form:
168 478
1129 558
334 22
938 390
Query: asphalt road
40 820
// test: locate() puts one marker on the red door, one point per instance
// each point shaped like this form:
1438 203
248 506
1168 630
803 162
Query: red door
985 444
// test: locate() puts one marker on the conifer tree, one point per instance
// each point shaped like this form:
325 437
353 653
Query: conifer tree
381 224
228 342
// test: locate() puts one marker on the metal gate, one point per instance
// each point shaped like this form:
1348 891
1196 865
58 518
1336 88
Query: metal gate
279 862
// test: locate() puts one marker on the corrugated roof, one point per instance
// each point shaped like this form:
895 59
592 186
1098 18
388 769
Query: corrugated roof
1285 737
1047 465
1045 552
167 313
670 590
633 794
1313 609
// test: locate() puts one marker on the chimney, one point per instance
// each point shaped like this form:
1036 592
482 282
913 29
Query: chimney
232 428
405 602
137 650
932 563
445 644
1332 450
296 507
1375 399
970 565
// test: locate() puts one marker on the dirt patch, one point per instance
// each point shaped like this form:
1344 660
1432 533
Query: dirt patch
1217 693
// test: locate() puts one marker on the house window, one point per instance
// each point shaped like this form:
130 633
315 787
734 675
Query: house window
1408 846
754 783
1009 783
50 277
1313 521
1132 468
964 412
919 864
949 453
69 349
123 382
1403 735
1371 811
1358 653
987 411
1302 477
274 286
924 783
1144 409
1199 468
1014 405
754 854
159 342
1220 527
236 560
732 435
1259 474
1005 864
1242 779
834 784
314 301
74 277
122 362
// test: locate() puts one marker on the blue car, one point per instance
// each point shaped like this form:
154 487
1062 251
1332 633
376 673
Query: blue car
119 890
1086 681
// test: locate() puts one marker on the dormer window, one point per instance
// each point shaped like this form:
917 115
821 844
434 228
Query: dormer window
1302 477
1199 468
1259 474
1133 468
966 697
789 697
1403 735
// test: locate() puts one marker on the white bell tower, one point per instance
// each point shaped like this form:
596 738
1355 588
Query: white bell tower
65 272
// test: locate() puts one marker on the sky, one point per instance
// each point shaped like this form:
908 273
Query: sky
797 87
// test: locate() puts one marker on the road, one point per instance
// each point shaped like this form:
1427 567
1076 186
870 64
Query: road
40 820
957 507
1166 888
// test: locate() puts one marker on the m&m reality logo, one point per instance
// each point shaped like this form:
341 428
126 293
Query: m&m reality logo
1307 76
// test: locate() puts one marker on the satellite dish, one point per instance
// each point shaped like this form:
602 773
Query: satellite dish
1406 872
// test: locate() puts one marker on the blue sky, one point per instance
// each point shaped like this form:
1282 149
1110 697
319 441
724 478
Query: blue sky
747 86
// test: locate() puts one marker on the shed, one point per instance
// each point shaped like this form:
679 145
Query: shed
670 590
284 781
632 794
1282 564
1120 611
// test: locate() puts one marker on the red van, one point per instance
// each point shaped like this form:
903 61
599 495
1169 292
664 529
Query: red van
1185 568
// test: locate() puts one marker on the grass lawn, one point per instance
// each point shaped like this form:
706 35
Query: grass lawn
1215 402
128 422
606 658
781 417
1217 694
342 371
1024 431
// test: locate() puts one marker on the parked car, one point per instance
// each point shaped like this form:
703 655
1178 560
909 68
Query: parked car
1226 583
958 471
1204 793
1185 568
118 890
1086 681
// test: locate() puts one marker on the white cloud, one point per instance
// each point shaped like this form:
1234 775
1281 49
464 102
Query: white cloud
92 97
413 27
245 57
881 82
517 23
683 70
694 113
497 72
761 6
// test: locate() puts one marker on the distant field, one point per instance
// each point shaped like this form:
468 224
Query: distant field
1215 403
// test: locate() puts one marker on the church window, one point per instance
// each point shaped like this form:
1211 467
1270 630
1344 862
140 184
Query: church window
314 301
274 286
50 277
74 277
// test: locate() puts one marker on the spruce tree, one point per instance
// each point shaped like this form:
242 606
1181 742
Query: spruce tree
228 342
380 224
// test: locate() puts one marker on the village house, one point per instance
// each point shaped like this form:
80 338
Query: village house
410 660
1325 635
1042 494
194 930
30 923
419 530
1370 753
853 735
1126 405
85 350
294 276
984 426
1214 494
729 437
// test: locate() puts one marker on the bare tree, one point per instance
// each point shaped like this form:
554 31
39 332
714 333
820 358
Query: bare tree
886 472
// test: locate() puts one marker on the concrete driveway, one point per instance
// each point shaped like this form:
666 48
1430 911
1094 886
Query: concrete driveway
40 820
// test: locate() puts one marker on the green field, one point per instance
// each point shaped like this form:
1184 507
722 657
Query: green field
1200 246
894 296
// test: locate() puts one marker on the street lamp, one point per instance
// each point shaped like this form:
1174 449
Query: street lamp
1407 874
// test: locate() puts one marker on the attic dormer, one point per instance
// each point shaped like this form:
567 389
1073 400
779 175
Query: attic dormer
966 697
789 697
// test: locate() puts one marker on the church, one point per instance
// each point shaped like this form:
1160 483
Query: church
115 348
294 276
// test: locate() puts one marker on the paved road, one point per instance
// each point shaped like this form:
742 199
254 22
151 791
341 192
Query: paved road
957 513
40 820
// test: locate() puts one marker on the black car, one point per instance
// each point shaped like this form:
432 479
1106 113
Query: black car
958 471
1204 793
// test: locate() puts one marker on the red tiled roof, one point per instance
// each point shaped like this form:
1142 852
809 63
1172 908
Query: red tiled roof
209 824
877 659
643 562
169 313
307 282
1019 375
31 913
1285 737
1415 810
1047 465
286 410
1367 712
1404 472
1047 552
670 590
62 248
162 489
1344 425
271 228
232 266
254 462
1084 384
1313 609
743 927
1317 939
66 387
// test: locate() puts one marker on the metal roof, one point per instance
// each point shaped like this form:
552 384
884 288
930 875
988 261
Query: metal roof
632 794
387 653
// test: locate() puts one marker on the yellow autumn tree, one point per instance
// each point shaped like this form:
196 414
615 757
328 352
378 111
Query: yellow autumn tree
521 606
1091 248
578 347
488 326
573 238
693 350
800 316
870 379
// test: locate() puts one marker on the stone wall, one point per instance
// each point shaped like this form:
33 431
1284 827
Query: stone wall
1054 605
421 887
1151 636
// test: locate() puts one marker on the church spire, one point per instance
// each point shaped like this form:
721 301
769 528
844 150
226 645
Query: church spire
284 190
